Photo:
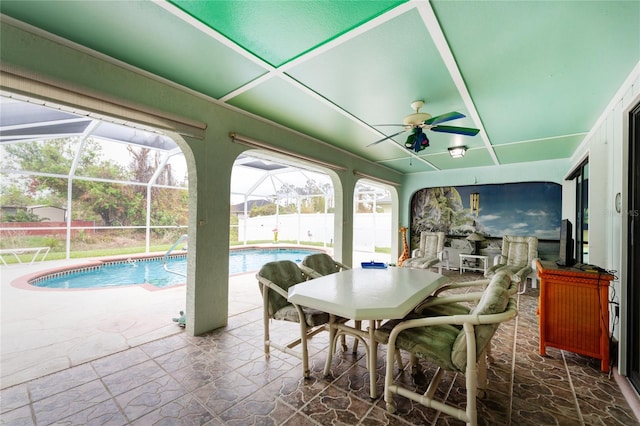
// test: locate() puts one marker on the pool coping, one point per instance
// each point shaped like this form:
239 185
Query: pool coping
27 282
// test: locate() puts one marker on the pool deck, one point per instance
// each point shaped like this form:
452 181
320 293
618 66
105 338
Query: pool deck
47 330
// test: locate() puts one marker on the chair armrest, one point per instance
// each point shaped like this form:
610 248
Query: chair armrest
443 256
416 253
534 262
446 300
342 265
522 274
309 272
477 283
499 260
472 319
272 286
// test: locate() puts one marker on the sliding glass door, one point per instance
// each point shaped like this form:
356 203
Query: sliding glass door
581 175
633 259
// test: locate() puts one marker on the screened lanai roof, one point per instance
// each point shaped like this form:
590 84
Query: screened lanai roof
255 176
25 121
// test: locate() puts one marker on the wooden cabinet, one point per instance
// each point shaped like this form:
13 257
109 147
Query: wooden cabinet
574 311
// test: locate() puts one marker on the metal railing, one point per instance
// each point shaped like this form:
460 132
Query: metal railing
180 240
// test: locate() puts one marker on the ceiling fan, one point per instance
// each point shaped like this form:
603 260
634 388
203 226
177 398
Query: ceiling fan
420 121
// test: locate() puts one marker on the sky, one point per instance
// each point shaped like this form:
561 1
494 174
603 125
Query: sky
524 209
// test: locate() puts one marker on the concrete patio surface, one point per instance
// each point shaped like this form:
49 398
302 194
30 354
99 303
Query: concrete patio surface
48 330
43 331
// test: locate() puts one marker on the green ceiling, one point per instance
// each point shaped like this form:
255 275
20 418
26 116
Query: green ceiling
534 76
265 28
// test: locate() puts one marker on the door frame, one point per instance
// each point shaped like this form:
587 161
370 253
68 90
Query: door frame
630 297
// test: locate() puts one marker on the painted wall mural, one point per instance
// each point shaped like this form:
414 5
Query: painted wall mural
522 209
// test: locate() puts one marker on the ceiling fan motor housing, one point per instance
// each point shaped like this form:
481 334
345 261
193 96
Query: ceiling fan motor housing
416 119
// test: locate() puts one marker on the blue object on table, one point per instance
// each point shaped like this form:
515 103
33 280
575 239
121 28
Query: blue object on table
374 265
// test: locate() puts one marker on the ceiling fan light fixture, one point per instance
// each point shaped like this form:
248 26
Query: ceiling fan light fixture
417 140
409 142
422 139
457 151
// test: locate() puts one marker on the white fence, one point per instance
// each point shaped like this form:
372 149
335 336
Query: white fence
371 230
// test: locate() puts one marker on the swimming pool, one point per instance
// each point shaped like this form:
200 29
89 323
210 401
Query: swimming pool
150 270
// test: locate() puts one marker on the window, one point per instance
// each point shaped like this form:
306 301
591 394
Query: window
581 175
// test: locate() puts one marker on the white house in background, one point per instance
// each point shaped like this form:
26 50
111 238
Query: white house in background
49 213
44 212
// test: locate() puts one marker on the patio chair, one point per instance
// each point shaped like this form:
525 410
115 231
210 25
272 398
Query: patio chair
455 338
274 280
430 252
517 258
320 264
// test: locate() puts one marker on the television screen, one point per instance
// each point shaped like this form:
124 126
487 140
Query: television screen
566 244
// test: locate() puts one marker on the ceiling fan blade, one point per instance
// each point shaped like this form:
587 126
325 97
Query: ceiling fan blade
384 139
395 125
467 131
444 117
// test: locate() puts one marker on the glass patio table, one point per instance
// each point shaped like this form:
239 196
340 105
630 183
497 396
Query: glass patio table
366 294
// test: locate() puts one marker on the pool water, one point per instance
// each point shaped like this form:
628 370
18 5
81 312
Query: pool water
152 272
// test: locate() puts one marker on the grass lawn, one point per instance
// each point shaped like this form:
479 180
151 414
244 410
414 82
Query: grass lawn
120 246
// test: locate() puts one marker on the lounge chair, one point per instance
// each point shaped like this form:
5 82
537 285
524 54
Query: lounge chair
517 259
430 253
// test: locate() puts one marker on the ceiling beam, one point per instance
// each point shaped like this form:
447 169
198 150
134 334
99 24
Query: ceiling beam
433 26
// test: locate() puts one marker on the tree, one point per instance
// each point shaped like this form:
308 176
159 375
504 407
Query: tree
141 166
22 216
116 204
14 194
113 203
367 197
312 198
54 157
288 192
264 210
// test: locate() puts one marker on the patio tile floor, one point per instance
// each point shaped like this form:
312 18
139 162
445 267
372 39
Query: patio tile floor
223 378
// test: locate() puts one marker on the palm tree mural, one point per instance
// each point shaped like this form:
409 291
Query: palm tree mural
528 208
439 209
